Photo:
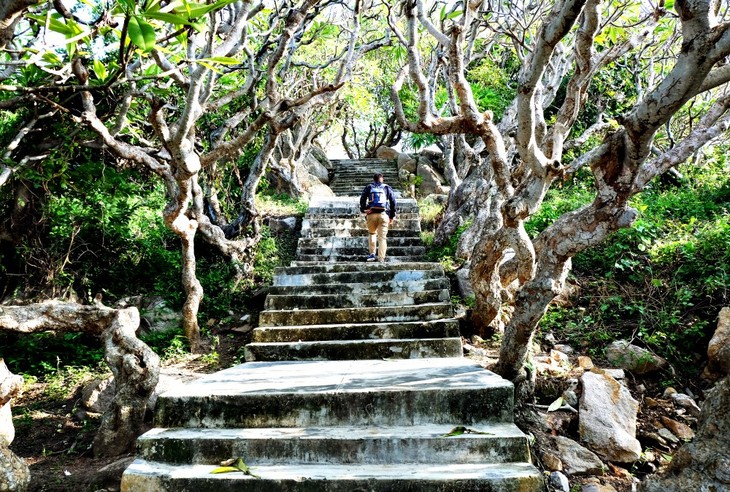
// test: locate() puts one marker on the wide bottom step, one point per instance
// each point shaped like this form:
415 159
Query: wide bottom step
504 477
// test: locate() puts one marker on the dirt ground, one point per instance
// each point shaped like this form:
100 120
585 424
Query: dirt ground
55 436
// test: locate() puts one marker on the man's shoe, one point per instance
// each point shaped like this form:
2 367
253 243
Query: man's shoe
371 258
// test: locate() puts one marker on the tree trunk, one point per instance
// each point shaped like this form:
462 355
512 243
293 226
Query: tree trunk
135 366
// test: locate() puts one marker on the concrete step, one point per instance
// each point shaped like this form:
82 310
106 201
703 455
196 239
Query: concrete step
354 299
356 242
418 348
449 391
337 205
359 223
357 215
356 272
358 232
443 328
427 443
345 251
309 259
364 288
419 312
502 477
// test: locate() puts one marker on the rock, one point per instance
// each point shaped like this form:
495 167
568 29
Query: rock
288 224
436 198
656 438
431 181
667 435
686 402
159 316
10 386
703 464
559 357
97 395
682 431
112 473
407 162
559 482
384 152
718 350
569 394
316 169
463 285
564 348
316 152
576 459
585 362
607 418
595 485
638 360
669 392
551 462
617 374
14 473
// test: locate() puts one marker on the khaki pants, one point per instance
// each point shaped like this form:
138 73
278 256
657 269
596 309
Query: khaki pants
377 225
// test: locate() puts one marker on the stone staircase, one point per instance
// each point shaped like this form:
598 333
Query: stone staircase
354 382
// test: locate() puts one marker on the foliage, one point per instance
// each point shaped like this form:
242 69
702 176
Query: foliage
661 281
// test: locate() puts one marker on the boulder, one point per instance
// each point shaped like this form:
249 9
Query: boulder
463 285
638 360
10 386
607 418
384 152
407 162
559 482
316 169
702 465
288 224
431 180
576 459
433 158
320 155
14 472
718 350
594 485
97 395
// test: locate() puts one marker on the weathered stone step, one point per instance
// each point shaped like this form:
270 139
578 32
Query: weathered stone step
345 251
337 224
355 242
350 273
384 288
449 391
338 205
357 215
358 232
499 477
444 328
425 312
418 348
353 300
487 443
335 258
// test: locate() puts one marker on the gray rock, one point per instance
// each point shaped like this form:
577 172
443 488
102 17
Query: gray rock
667 434
431 181
288 224
14 472
607 418
559 482
97 395
576 459
384 152
318 153
718 350
439 199
315 169
463 285
638 360
407 162
10 385
686 402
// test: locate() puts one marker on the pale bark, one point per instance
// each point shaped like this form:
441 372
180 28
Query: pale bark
134 365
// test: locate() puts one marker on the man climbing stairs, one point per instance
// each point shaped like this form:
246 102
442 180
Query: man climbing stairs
354 381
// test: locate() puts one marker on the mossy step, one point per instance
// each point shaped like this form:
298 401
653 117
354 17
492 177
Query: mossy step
355 242
485 443
355 299
374 272
359 223
442 328
356 232
410 268
417 348
361 288
502 477
306 259
450 391
419 312
361 249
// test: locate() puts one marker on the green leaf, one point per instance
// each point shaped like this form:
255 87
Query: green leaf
200 10
454 15
555 405
99 70
141 33
225 60
225 469
456 431
177 20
